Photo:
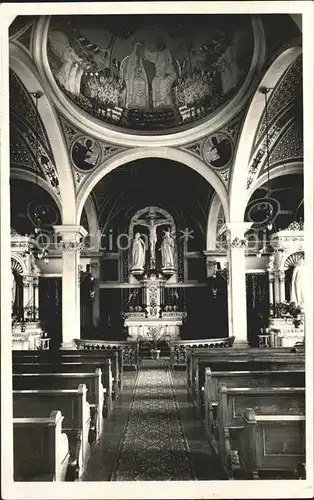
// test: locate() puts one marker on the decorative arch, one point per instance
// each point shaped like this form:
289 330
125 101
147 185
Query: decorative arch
238 191
177 155
91 215
26 175
278 171
21 63
213 217
17 264
290 257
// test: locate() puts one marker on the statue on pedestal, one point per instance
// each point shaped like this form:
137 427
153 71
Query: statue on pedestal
13 288
297 283
138 253
167 251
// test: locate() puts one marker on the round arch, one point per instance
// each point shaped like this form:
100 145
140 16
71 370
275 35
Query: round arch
177 155
91 215
17 173
238 191
278 171
214 212
21 63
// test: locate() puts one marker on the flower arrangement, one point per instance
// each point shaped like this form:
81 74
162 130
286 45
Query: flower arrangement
285 310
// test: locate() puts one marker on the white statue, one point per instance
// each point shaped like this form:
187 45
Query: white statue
297 283
138 252
167 251
13 287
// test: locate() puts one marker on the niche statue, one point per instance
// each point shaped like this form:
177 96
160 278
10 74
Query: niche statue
167 251
138 253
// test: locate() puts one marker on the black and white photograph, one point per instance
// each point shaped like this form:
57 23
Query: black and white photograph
157 241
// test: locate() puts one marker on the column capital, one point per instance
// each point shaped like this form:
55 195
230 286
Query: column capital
71 236
69 231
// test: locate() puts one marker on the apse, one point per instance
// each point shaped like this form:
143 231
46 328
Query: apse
154 182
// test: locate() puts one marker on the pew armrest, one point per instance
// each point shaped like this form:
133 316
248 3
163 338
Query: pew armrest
75 443
92 434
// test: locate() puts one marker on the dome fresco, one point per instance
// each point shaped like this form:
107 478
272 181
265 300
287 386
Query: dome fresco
150 73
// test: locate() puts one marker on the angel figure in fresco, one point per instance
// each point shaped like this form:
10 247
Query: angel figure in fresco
228 67
70 63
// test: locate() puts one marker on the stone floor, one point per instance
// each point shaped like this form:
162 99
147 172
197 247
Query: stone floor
153 433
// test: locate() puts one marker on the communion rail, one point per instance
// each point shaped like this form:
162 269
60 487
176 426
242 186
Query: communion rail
131 349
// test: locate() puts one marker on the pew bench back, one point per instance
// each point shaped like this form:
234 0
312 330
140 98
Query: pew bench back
76 417
41 449
271 443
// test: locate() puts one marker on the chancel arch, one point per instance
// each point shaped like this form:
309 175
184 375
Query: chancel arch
179 156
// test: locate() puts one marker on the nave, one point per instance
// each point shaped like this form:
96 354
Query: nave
227 413
153 433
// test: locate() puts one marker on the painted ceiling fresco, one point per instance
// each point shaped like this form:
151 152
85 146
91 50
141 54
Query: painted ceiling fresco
150 73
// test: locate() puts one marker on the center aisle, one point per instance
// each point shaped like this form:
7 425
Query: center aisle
156 434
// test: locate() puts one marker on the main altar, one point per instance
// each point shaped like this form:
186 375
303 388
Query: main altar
153 309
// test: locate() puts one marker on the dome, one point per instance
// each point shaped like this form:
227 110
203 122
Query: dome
149 75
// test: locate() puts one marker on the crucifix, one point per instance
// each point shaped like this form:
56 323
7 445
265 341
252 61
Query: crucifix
152 223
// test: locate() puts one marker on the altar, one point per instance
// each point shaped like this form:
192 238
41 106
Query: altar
152 313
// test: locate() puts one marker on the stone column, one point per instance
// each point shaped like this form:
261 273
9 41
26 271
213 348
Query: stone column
27 297
70 246
276 287
36 298
236 245
95 270
271 287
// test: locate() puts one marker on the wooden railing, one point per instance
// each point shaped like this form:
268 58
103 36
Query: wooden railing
131 351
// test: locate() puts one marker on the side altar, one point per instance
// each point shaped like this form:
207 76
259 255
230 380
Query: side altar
152 313
287 279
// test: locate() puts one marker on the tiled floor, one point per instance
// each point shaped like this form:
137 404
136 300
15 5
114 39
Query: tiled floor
153 433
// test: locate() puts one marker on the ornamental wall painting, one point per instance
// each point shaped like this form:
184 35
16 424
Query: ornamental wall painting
218 150
85 153
150 73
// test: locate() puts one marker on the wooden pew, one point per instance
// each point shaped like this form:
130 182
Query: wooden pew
41 449
95 389
247 380
226 423
85 366
231 359
76 419
272 443
76 356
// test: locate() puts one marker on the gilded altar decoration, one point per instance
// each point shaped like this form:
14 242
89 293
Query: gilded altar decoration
150 73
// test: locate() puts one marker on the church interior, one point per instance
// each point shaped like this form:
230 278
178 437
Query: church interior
157 247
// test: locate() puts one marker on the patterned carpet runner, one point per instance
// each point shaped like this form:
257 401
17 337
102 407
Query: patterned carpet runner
152 433
154 446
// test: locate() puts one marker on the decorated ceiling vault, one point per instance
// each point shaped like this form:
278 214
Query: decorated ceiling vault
152 73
